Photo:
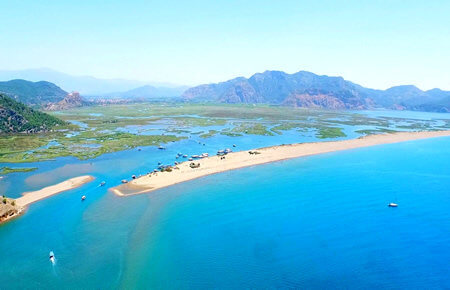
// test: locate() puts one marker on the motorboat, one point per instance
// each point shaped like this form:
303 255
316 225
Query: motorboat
51 256
392 204
83 197
102 183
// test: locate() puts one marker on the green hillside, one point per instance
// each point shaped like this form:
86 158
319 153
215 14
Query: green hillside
16 117
32 93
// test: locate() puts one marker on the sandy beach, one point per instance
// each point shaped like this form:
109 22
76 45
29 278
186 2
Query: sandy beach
33 196
235 160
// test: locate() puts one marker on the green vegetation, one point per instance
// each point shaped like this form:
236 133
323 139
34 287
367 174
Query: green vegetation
375 131
88 144
6 170
15 117
209 134
104 129
248 128
33 93
330 132
200 122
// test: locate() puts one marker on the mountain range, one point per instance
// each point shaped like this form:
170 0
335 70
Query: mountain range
301 89
306 89
150 92
86 85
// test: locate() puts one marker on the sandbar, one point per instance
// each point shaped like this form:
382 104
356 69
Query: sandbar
33 196
241 159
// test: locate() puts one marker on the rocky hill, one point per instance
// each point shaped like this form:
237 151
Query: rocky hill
72 100
8 209
32 93
305 89
16 117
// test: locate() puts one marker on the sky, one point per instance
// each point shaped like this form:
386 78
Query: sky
374 43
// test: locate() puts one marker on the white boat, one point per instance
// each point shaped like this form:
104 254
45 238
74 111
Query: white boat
392 204
83 197
52 257
102 183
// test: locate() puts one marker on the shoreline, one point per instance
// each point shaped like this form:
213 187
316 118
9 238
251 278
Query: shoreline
16 207
46 192
242 159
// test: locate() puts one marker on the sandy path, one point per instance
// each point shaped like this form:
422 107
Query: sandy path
30 197
235 160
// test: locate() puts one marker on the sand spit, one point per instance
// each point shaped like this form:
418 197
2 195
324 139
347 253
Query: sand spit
235 160
33 196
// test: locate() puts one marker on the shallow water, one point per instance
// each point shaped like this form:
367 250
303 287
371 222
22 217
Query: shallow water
314 222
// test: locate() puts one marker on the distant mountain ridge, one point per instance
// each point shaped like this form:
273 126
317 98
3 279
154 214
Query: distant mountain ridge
150 92
32 93
306 89
86 85
16 117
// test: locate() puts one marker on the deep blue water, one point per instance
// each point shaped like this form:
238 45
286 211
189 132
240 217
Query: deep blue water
315 222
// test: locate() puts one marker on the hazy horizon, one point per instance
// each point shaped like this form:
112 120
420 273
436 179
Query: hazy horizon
377 45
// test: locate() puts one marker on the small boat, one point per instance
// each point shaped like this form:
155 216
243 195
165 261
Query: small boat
392 204
185 156
102 183
51 256
190 159
133 176
83 197
234 145
161 148
124 181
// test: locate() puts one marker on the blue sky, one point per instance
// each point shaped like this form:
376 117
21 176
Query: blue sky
374 43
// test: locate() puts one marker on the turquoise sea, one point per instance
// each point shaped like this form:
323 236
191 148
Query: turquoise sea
315 222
